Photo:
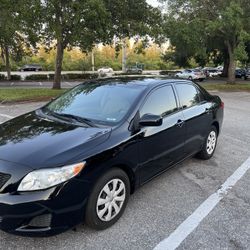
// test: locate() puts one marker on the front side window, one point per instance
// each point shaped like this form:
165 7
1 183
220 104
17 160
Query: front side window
188 95
160 102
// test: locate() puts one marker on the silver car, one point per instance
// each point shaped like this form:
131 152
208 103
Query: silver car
191 74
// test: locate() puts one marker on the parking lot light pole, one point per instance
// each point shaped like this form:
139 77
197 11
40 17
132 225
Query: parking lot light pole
93 60
124 55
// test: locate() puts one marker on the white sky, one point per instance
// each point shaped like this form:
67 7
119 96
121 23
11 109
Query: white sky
153 2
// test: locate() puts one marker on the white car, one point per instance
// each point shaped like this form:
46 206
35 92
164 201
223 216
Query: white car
105 70
191 74
212 72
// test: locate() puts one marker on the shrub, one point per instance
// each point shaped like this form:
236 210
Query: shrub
15 77
2 77
84 76
38 77
51 76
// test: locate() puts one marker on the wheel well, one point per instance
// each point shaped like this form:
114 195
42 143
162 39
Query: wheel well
216 124
130 175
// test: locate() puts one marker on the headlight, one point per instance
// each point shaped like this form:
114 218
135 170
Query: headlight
45 178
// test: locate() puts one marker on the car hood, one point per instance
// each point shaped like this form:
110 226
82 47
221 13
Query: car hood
38 142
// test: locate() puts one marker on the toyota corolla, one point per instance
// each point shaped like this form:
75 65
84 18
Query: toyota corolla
78 158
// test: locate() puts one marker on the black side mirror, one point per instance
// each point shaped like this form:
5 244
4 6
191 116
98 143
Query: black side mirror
149 120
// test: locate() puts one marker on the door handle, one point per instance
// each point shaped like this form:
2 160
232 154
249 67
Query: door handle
180 123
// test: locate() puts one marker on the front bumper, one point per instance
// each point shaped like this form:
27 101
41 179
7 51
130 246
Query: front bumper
44 213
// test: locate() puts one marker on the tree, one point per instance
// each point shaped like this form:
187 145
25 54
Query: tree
84 23
224 21
8 30
17 29
72 23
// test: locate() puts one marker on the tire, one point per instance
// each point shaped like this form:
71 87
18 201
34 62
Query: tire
107 216
190 78
208 151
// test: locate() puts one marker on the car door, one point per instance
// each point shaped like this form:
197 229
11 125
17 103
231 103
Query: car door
197 115
184 74
160 147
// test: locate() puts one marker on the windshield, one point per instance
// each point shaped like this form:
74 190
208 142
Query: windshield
102 104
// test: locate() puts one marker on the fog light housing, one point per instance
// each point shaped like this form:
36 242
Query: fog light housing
41 221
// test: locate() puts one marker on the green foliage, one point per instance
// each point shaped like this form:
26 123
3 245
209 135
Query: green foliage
37 77
85 76
200 28
15 78
2 77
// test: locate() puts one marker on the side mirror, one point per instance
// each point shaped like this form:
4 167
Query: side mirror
149 120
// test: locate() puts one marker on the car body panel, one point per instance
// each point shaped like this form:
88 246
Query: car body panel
44 142
37 141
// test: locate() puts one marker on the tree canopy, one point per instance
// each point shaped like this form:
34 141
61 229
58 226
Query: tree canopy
199 27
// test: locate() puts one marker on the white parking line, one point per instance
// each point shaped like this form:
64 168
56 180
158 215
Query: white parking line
68 83
193 221
7 116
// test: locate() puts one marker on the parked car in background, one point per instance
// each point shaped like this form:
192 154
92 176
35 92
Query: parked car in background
31 67
220 68
105 70
79 158
192 74
247 76
133 70
212 72
242 73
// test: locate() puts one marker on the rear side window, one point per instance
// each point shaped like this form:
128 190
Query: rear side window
188 95
160 102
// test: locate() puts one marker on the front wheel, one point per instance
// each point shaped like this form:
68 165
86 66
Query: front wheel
108 199
209 145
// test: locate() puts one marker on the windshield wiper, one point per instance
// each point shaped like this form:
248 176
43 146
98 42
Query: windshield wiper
76 118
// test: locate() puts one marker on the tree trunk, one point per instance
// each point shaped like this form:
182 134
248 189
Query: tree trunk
7 62
58 66
124 55
226 65
232 65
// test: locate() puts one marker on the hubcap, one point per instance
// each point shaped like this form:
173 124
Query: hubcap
211 142
111 199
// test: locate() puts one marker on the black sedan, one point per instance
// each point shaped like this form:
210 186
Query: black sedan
31 67
79 158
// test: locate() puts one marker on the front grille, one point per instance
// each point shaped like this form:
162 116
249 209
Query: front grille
3 179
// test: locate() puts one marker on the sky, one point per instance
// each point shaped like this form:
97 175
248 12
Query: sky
153 2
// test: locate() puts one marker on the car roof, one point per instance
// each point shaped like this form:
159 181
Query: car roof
146 82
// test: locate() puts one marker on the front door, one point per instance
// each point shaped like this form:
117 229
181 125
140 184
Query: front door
160 147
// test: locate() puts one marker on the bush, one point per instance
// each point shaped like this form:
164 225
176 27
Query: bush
51 76
83 76
37 77
15 78
2 77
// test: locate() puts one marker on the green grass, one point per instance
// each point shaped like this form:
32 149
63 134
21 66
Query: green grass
227 87
28 94
35 94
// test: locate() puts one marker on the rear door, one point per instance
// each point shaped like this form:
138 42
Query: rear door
197 113
160 147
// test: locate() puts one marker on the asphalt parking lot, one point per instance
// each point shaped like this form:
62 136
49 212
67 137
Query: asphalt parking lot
161 210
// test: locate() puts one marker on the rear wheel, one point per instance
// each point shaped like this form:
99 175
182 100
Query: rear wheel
209 145
108 199
190 78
